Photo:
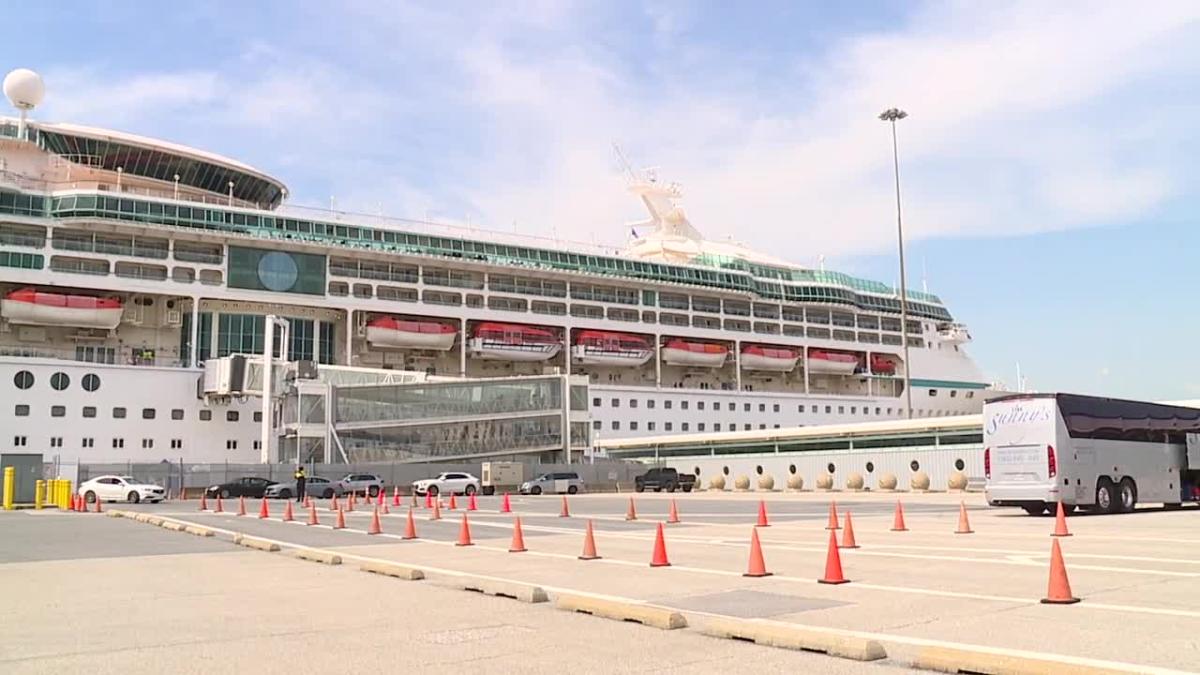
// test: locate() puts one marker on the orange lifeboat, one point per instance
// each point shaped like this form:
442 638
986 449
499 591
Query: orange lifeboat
883 365
388 331
33 307
496 341
830 361
608 348
679 352
769 357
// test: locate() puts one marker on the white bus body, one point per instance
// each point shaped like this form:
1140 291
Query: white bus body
1102 454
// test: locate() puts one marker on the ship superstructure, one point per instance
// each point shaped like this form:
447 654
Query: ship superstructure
126 262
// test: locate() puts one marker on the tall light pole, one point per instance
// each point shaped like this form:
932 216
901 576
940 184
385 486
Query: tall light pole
891 115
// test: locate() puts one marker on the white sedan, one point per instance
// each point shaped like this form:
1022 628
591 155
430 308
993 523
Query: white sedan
120 489
451 482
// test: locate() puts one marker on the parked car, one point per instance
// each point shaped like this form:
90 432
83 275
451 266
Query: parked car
560 481
664 479
452 482
314 486
247 486
120 488
362 483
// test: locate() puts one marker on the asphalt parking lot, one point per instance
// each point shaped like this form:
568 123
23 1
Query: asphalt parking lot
910 591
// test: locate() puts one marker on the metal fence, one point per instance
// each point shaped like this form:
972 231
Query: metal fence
606 476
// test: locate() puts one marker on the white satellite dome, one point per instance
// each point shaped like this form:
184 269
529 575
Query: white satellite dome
24 88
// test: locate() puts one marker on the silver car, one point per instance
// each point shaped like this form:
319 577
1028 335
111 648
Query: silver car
315 486
367 484
559 481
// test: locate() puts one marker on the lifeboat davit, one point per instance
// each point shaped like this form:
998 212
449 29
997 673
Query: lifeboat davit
512 342
883 365
606 348
828 361
388 331
29 306
678 352
768 357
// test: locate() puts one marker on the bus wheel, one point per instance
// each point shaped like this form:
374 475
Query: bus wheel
1128 495
1106 499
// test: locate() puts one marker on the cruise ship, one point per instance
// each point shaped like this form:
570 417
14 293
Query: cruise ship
127 262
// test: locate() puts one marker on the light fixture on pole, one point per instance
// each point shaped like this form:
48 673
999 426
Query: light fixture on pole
230 193
176 197
892 115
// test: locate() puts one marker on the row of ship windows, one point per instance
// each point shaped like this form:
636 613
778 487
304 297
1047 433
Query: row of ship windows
615 425
119 443
58 381
762 407
914 465
120 413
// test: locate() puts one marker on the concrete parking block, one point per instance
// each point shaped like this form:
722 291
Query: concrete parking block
989 662
392 570
256 543
793 636
649 615
316 555
504 589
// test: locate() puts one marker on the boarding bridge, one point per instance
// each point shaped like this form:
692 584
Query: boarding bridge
326 413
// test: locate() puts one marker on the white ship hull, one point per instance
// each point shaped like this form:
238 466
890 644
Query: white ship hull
768 363
684 357
399 339
35 314
592 356
499 351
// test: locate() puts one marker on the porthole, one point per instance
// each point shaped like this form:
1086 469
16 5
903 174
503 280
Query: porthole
725 470
23 379
90 382
696 471
758 469
915 465
791 468
870 467
831 468
60 381
959 464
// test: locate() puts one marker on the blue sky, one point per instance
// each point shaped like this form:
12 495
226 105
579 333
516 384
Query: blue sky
1048 162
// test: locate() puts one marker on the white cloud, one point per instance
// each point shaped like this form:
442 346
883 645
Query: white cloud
1024 117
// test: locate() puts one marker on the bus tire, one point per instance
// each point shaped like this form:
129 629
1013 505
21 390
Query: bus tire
1106 496
1127 495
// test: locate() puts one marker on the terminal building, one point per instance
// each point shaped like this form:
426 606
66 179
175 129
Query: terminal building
938 447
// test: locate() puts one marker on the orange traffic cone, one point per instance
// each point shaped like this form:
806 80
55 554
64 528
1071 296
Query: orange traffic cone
848 540
263 511
833 520
203 502
410 528
350 503
335 506
307 501
505 506
564 512
1060 522
631 514
379 497
437 511
385 509
833 563
288 516
898 520
1059 591
762 515
673 514
453 502
589 545
242 505
312 515
659 558
220 505
964 526
472 505
98 509
757 567
464 533
375 527
340 523
429 500
395 496
518 540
